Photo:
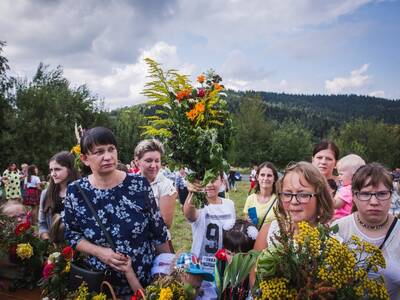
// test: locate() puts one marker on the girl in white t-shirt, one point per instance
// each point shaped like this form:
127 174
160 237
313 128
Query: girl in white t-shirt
32 190
208 224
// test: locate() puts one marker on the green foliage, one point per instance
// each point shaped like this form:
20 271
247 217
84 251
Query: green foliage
372 140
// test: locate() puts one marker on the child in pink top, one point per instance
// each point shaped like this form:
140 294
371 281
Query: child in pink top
343 200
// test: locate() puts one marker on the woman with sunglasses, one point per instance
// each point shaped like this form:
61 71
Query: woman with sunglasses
372 222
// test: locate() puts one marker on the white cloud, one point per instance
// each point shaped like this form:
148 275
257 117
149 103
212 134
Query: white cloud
357 79
378 94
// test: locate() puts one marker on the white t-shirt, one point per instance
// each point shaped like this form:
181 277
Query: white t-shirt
162 186
391 251
34 182
208 228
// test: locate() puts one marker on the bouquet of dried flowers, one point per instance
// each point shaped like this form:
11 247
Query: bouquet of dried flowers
193 122
25 249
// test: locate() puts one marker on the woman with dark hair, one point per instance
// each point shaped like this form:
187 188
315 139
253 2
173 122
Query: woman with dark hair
372 190
62 172
125 205
32 191
261 203
324 157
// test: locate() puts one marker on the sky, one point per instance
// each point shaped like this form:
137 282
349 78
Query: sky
291 46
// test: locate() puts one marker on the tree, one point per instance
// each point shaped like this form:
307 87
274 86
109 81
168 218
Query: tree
47 109
290 141
373 140
252 133
127 128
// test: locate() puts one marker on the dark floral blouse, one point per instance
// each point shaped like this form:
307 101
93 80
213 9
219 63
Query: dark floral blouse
129 213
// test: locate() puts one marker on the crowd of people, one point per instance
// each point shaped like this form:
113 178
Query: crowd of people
136 204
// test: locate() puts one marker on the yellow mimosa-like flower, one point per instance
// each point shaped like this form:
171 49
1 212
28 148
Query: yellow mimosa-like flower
166 294
67 267
100 296
24 251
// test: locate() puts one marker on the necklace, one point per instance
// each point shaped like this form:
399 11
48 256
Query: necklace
372 227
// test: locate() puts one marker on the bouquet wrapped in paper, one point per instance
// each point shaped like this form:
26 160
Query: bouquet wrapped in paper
193 122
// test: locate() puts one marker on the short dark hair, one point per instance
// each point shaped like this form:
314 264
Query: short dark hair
97 136
371 174
324 145
237 239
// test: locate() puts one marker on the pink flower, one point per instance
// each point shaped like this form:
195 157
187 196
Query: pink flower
48 270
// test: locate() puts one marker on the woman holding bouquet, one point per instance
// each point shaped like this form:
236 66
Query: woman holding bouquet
125 206
372 222
303 196
208 224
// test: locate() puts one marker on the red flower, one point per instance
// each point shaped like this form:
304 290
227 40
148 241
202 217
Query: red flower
201 93
221 255
48 270
67 252
21 228
137 295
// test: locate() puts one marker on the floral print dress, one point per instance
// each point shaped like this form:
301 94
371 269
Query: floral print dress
129 213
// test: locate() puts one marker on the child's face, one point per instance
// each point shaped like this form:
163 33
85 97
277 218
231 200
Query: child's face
16 211
212 188
345 174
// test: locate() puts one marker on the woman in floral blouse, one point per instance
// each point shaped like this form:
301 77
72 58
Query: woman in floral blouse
125 205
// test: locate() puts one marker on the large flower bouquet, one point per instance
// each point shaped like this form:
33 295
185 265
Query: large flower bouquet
25 249
313 264
193 122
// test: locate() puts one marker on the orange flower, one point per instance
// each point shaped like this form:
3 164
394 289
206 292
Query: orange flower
184 94
201 78
192 114
218 87
200 107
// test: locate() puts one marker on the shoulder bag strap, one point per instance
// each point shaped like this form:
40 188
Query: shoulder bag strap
106 234
266 214
388 232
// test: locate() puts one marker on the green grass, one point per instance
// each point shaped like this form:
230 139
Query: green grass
181 231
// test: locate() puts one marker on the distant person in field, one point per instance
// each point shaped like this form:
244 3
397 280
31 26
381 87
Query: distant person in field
343 200
252 178
11 182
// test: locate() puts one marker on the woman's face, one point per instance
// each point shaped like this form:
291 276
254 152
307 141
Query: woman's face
58 172
373 211
13 167
150 165
295 183
212 188
102 159
325 161
266 178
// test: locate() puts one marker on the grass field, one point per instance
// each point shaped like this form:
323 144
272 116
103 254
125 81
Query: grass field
181 231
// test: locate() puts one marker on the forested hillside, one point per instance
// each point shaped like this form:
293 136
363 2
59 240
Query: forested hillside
320 113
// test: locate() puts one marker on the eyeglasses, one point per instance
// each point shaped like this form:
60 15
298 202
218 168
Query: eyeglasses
302 198
380 195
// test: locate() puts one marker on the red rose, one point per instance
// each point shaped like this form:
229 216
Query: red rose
28 217
221 255
137 295
48 270
21 228
67 252
201 93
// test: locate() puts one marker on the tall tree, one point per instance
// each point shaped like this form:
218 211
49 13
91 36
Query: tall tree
252 133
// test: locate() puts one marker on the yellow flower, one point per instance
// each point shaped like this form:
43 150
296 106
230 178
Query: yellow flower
83 292
166 294
201 78
100 296
24 251
276 288
309 236
76 149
